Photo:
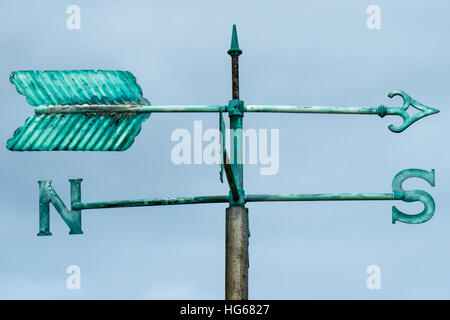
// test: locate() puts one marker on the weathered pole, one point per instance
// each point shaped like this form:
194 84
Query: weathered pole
237 230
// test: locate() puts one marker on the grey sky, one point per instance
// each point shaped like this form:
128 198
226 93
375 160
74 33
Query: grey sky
295 52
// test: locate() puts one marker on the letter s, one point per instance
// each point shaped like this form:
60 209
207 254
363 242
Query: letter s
413 195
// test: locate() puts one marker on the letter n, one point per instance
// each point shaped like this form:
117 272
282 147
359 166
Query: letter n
47 195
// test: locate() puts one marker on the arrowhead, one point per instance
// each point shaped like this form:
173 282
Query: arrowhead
234 49
402 111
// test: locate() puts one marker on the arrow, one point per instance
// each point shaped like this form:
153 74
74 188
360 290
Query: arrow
146 108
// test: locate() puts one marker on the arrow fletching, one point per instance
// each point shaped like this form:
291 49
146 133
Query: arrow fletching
83 130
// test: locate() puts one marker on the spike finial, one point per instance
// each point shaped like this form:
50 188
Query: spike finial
234 49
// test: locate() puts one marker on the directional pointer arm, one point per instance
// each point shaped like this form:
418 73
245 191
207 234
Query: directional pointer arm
381 110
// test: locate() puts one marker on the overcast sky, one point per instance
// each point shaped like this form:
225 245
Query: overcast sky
294 53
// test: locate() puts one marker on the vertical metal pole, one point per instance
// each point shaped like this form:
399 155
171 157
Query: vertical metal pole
236 273
235 76
237 230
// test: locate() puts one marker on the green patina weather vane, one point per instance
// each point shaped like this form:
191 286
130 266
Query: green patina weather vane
102 110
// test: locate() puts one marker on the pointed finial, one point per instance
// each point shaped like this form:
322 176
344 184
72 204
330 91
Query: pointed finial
234 50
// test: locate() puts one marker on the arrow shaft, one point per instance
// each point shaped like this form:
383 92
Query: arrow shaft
201 108
127 109
312 109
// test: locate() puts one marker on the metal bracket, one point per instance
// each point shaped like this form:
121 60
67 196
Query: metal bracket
222 144
235 108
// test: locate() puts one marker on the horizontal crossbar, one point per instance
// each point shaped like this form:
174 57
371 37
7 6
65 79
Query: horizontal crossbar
248 198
